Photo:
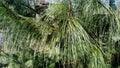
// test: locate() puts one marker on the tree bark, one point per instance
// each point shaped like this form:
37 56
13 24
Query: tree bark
32 4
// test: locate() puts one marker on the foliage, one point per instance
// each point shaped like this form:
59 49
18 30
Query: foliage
64 37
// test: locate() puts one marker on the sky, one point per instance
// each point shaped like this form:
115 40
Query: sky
50 1
117 1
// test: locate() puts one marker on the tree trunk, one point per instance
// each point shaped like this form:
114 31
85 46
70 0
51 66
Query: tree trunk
40 3
32 4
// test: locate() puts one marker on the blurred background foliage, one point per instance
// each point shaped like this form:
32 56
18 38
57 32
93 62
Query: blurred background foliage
64 34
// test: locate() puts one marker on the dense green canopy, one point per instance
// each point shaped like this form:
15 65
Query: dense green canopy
68 34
